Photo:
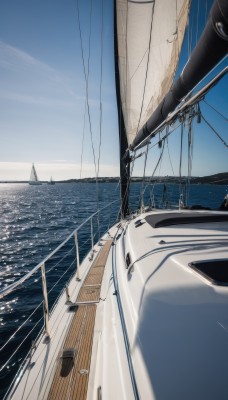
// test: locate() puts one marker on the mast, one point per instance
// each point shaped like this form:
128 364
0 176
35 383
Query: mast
123 144
211 48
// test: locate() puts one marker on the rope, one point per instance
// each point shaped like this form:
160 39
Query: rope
213 129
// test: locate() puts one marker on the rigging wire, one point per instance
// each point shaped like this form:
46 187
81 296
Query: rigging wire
143 179
190 141
133 158
156 166
101 81
86 75
160 165
170 160
126 64
190 153
128 182
180 164
214 130
160 157
83 137
218 112
165 136
100 119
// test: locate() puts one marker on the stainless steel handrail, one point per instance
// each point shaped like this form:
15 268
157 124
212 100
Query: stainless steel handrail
19 282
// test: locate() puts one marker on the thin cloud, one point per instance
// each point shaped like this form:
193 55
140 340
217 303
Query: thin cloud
11 56
38 100
20 62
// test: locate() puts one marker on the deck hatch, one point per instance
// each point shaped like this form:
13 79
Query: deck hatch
216 271
177 218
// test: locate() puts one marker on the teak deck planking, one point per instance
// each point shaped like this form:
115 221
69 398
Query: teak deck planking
72 374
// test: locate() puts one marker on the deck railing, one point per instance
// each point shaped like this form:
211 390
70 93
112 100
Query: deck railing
72 251
60 265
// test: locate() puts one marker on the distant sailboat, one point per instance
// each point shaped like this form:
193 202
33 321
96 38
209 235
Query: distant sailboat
51 182
33 177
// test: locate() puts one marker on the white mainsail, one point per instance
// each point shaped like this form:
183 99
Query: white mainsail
150 35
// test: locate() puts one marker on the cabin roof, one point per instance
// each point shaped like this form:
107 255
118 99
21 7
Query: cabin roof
176 316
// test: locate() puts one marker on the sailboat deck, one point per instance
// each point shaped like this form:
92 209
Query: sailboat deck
72 371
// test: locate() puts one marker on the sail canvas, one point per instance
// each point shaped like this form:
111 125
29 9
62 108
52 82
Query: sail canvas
150 36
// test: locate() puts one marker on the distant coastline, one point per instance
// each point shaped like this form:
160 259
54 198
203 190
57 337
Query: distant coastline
217 179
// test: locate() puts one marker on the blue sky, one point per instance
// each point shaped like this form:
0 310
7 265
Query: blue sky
42 94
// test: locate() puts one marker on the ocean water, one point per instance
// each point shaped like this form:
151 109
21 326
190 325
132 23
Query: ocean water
34 220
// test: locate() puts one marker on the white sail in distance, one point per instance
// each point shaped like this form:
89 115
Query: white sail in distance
150 35
33 177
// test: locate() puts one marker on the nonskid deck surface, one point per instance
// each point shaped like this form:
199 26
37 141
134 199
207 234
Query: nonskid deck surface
72 373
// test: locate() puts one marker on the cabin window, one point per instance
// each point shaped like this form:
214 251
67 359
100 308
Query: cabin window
216 271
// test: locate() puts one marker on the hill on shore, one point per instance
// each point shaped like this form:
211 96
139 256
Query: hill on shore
216 179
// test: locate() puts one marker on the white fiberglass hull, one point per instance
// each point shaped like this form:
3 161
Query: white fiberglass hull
161 326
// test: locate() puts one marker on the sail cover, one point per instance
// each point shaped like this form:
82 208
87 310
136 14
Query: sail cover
150 35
